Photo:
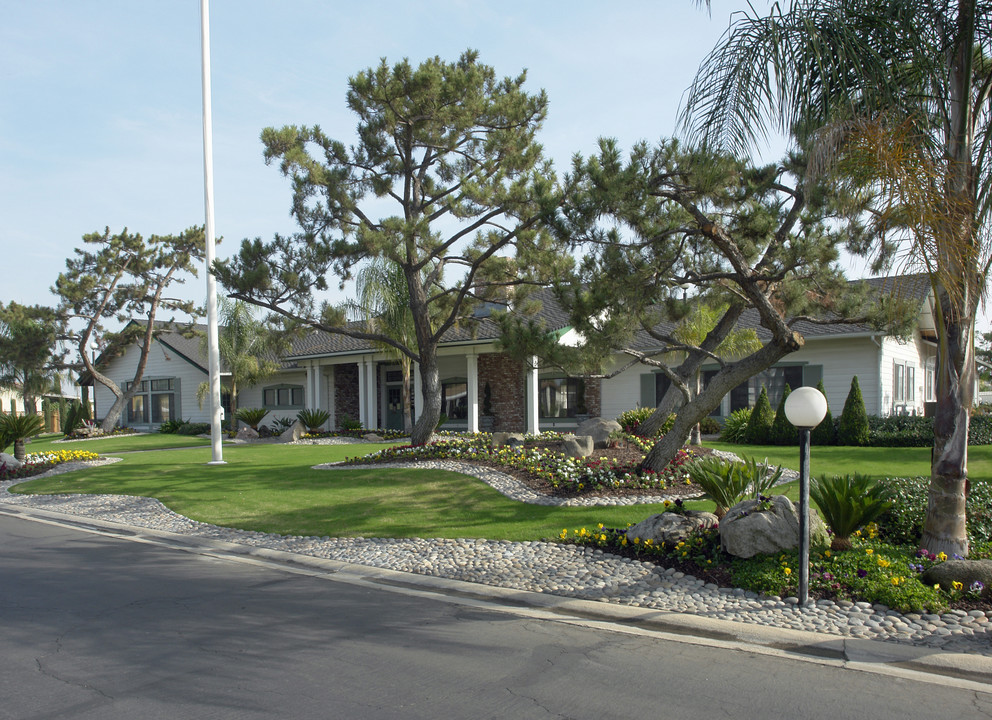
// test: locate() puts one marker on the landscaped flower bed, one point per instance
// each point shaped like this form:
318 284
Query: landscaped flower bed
564 475
873 571
37 463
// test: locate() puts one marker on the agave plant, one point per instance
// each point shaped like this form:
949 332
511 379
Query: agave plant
16 429
848 503
727 483
313 419
251 416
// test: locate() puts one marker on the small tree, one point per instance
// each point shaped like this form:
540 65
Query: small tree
759 426
18 428
28 355
124 277
825 432
782 431
853 426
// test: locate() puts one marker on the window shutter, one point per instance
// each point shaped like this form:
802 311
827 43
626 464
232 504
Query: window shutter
648 383
812 375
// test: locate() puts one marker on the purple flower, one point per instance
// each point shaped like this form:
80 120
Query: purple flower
862 573
957 557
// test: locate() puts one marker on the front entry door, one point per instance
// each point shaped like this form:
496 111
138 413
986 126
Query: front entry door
394 407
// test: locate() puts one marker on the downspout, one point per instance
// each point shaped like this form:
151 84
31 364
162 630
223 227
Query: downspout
880 394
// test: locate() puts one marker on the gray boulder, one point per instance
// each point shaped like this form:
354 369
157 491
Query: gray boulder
966 572
246 434
507 438
598 429
10 461
670 527
293 433
372 437
746 530
577 446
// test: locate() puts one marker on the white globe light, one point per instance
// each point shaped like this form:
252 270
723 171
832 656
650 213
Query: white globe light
805 407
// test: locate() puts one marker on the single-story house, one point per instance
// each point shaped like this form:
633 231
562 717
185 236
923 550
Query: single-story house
485 389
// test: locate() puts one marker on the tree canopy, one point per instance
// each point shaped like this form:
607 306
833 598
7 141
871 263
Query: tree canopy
897 96
669 229
29 356
446 180
125 277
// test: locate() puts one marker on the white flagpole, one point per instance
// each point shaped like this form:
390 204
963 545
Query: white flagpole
213 353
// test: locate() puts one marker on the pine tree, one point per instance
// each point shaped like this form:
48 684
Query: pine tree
853 427
824 433
759 427
783 432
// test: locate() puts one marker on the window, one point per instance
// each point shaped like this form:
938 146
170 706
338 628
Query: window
774 380
898 383
157 398
560 397
283 396
929 380
910 384
454 399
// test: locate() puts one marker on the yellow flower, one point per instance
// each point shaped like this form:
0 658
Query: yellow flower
869 551
827 553
956 585
883 563
896 580
941 556
788 571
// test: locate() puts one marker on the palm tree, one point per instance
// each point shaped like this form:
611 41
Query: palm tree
18 428
248 349
384 304
824 70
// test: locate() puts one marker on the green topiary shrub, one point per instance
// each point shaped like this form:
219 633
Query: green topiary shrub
853 426
825 433
759 425
783 432
735 426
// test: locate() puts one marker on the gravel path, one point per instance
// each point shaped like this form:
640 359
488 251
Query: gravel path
565 570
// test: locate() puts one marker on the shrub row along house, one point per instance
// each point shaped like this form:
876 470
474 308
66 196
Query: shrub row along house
486 389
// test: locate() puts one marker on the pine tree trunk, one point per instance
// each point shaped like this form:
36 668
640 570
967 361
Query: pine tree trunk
430 414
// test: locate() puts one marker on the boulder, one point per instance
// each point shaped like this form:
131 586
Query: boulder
372 437
506 438
747 530
577 446
10 461
246 434
671 527
598 429
293 433
966 572
264 431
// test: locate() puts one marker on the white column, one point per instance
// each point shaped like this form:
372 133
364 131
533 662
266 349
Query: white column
418 393
362 394
472 363
371 402
533 423
310 401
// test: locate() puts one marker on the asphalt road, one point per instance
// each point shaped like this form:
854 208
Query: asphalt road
102 627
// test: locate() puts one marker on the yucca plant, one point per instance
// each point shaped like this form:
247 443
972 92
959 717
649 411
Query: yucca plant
313 419
735 425
848 503
726 483
251 416
16 429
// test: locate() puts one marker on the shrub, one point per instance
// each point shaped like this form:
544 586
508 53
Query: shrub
251 416
826 432
709 426
726 484
759 425
853 426
18 428
630 421
735 426
902 524
193 429
313 419
349 425
170 427
900 431
73 418
281 425
782 431
848 503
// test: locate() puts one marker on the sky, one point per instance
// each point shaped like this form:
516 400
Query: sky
101 106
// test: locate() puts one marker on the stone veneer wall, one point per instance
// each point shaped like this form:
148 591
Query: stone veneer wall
508 391
345 393
594 397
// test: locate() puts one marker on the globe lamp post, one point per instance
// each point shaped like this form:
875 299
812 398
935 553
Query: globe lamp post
805 408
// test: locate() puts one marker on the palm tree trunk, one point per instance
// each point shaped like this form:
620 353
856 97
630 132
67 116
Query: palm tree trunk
19 453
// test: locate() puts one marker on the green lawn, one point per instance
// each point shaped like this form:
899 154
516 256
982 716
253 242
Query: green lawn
117 443
272 488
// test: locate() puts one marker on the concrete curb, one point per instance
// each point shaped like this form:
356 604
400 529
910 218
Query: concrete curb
853 652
